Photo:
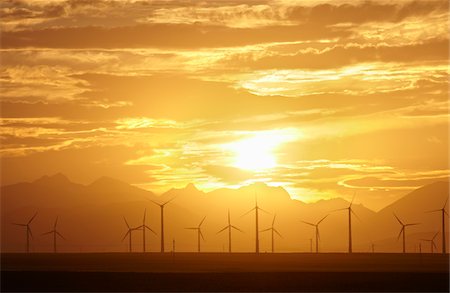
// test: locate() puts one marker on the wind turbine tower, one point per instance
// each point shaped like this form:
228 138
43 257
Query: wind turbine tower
444 212
273 230
199 232
256 209
403 231
27 231
229 227
162 220
55 233
129 234
317 231
145 227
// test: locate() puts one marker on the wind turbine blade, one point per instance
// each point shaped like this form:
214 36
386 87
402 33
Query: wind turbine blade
128 226
59 234
433 211
332 211
32 218
234 227
401 223
169 201
222 230
46 233
353 198
56 223
23 225
29 231
355 215
191 228
446 200
268 229
445 212
145 213
401 231
413 224
202 222
321 220
264 210
126 234
150 229
318 233
275 230
311 224
201 234
273 221
158 204
229 220
432 243
248 212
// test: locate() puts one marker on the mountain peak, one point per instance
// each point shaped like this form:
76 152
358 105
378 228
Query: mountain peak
108 182
190 187
57 179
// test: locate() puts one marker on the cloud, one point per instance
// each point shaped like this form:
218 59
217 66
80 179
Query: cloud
339 56
163 36
230 175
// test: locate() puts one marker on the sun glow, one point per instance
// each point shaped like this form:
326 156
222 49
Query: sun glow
258 151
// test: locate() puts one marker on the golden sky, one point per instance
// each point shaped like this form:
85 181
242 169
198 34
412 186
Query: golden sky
324 98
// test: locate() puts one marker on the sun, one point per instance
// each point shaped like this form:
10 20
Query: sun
257 152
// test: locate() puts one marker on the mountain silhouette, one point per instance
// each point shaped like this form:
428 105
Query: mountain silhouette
91 216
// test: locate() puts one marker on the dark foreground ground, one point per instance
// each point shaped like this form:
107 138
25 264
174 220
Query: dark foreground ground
193 272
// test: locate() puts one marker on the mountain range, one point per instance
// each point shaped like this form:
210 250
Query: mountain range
91 217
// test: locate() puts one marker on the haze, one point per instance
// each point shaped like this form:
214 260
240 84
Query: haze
324 99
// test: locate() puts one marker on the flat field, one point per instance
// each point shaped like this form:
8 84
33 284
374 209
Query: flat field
194 272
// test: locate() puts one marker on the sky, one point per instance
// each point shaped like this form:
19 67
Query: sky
324 98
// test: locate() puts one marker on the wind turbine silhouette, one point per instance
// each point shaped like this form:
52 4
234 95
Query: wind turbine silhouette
350 212
229 227
403 230
129 233
55 233
317 231
443 224
162 220
273 230
256 209
199 232
145 227
432 244
28 230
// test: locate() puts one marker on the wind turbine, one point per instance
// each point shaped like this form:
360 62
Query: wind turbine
403 230
55 233
317 231
256 209
144 227
129 233
229 227
350 212
432 244
28 230
443 224
162 220
273 230
199 232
